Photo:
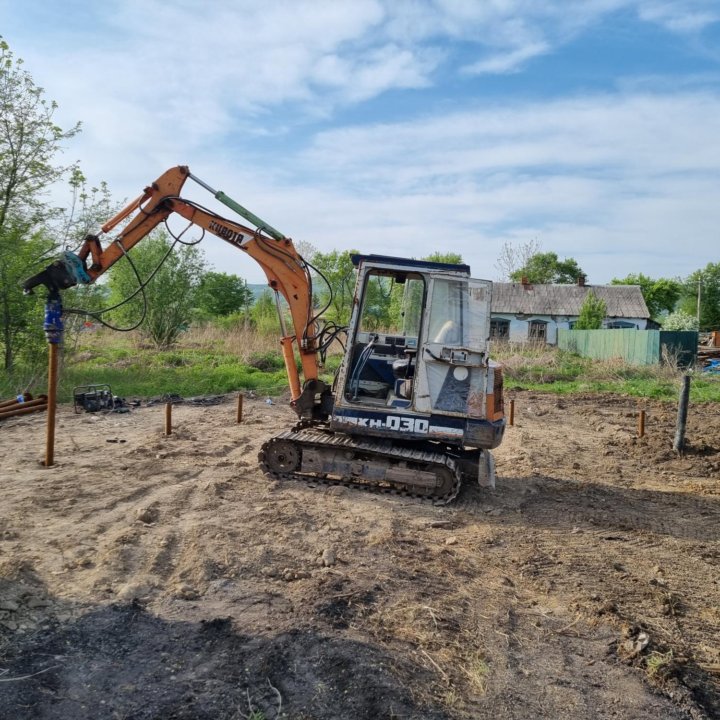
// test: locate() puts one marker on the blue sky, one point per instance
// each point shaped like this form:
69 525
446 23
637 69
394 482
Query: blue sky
405 127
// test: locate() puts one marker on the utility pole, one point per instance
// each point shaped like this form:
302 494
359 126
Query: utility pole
698 301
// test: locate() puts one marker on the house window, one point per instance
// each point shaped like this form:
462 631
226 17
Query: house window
537 330
621 325
499 329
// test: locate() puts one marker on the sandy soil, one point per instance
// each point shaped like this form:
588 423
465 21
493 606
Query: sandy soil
151 577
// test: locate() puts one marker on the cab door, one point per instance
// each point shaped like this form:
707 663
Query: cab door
452 357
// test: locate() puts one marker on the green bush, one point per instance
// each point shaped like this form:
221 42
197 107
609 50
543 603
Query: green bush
266 361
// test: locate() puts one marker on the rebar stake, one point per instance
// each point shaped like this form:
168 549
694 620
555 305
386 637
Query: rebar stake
168 419
239 408
641 424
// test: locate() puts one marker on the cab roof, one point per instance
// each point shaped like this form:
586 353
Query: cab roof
408 263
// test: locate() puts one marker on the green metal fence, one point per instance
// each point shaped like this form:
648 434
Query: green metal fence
638 347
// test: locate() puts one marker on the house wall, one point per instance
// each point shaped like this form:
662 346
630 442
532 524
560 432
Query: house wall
519 328
640 323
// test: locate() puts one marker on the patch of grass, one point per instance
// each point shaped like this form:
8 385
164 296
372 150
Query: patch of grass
187 380
202 363
267 361
477 671
213 360
658 663
548 369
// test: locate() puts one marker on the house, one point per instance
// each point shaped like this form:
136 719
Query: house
524 312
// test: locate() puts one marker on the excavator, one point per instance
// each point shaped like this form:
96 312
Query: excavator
416 405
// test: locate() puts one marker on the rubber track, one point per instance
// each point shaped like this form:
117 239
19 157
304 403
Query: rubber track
381 448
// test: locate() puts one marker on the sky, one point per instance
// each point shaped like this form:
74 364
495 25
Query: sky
405 127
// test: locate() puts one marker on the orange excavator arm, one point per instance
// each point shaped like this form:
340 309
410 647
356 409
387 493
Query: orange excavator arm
285 269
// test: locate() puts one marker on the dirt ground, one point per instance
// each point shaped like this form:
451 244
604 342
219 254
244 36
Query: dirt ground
146 577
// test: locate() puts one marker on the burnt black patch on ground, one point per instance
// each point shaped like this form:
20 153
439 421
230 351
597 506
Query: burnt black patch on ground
120 661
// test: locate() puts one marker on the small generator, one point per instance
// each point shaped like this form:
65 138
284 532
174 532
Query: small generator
92 398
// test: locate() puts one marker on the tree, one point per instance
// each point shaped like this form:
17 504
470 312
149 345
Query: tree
708 282
449 257
170 276
220 294
89 208
339 273
21 319
592 313
547 268
29 141
679 321
513 257
660 295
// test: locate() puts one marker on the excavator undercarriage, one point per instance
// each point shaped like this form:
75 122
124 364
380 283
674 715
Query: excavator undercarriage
318 455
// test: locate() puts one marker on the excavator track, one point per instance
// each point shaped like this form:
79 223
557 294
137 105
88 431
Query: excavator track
313 455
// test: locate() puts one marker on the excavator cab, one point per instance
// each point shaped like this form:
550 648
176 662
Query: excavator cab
416 404
417 364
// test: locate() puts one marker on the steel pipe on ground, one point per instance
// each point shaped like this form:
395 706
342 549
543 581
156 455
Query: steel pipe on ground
14 401
42 400
23 411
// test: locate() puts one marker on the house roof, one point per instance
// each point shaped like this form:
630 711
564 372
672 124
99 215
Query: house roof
621 300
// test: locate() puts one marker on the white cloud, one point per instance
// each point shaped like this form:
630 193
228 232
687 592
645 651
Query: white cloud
590 177
643 134
507 62
202 83
684 17
204 67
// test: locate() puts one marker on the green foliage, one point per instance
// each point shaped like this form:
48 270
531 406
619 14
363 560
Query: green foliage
267 361
234 321
660 295
547 268
220 294
592 313
21 318
170 276
377 313
679 321
265 315
449 257
709 280
29 141
338 270
657 663
90 207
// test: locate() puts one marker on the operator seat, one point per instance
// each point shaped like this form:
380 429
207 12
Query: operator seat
403 371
